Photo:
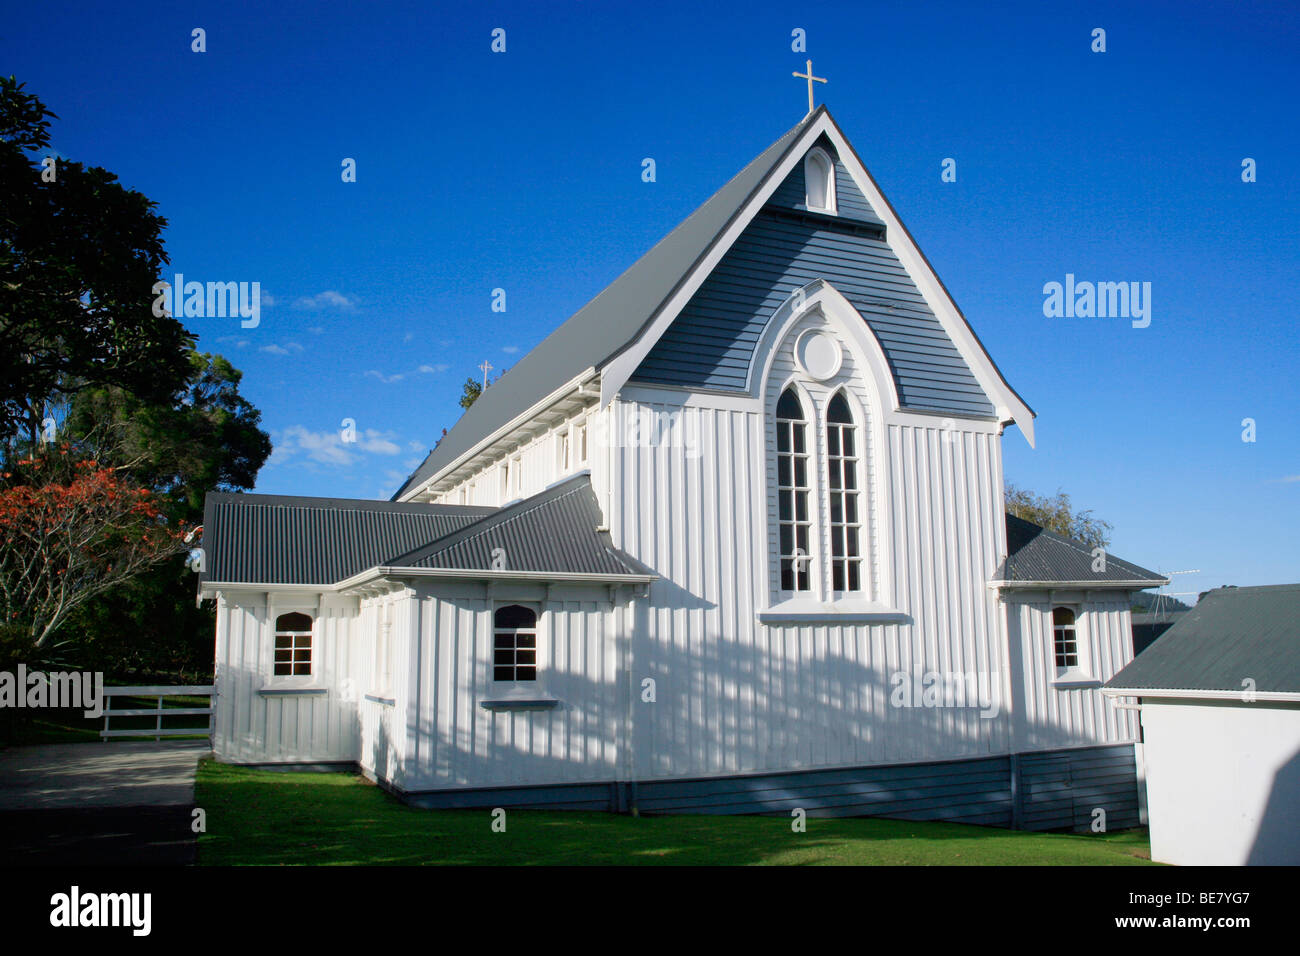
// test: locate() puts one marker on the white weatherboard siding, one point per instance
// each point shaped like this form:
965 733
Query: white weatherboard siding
1053 716
254 726
736 696
529 467
456 743
1223 781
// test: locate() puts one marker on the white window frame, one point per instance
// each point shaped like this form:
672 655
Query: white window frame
810 161
312 645
536 682
856 429
580 451
812 563
563 451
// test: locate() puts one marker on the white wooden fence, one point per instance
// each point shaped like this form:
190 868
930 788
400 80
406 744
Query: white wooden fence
158 731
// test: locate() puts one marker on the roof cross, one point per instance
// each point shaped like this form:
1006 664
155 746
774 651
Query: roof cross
486 367
811 79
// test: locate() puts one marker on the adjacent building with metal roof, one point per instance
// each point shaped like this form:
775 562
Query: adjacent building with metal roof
1219 699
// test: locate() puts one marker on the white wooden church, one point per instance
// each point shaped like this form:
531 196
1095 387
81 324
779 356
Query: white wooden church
730 540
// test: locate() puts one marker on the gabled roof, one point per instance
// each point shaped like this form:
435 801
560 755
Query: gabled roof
1231 636
608 322
284 539
320 542
610 334
554 532
1038 556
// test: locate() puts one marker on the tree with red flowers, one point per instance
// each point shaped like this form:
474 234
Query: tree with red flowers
71 529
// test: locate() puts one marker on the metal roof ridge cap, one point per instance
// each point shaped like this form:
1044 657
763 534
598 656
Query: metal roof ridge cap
545 496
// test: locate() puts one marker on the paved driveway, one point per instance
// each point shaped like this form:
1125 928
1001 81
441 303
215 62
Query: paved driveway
119 804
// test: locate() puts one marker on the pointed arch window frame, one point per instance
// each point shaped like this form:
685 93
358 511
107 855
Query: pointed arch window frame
797 500
818 165
845 482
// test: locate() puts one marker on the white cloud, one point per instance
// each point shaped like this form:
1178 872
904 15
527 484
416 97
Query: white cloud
431 369
274 349
386 379
297 443
329 299
1288 479
317 330
511 349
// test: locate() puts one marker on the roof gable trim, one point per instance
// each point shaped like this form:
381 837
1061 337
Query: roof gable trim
1009 405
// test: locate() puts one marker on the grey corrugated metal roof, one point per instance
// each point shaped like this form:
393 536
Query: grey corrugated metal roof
606 324
1231 635
281 539
1036 554
553 532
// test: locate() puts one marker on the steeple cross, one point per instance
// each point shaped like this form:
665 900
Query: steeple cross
811 79
486 367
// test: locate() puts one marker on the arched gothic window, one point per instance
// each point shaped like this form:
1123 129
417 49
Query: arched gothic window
793 486
843 490
819 180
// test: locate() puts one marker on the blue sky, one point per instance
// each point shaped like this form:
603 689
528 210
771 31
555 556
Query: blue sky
522 171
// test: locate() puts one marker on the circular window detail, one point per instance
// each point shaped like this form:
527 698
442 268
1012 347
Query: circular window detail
818 354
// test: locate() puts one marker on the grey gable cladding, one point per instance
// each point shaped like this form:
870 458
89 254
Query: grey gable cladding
1036 554
554 532
281 539
1231 635
711 344
609 322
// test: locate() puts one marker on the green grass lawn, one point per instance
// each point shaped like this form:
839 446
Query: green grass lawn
273 817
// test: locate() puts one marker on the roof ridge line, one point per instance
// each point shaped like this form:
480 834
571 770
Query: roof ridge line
503 514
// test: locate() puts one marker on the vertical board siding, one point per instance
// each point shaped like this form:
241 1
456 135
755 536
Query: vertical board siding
736 696
1057 717
539 463
460 744
252 727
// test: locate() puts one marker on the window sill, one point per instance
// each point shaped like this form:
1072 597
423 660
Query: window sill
525 701
810 611
1075 680
382 699
278 690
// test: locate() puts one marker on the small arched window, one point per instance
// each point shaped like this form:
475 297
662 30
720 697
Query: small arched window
293 645
846 513
1064 639
792 483
514 644
819 179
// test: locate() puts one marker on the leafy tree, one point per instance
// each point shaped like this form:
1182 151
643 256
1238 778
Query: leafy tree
470 393
79 256
207 440
151 628
72 529
1057 514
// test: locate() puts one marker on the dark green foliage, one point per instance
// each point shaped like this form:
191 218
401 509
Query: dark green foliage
470 393
79 255
1057 514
